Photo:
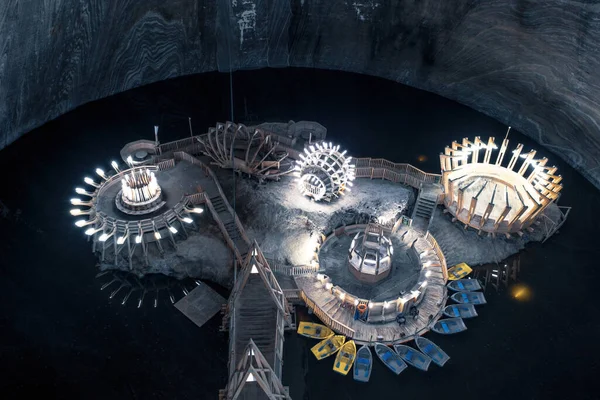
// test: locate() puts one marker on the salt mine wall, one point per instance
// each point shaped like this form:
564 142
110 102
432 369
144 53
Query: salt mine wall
530 64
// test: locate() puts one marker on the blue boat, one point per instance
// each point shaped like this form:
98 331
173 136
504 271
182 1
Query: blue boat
413 357
390 358
432 350
476 298
363 364
449 326
464 285
460 311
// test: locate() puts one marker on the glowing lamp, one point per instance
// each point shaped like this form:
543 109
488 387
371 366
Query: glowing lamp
89 181
77 211
157 235
138 239
187 220
172 229
355 302
121 240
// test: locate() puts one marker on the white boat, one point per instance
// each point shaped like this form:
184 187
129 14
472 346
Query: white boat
390 358
476 298
432 350
464 285
413 357
460 310
449 326
363 364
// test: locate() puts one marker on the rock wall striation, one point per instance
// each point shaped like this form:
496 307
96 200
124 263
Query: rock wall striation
532 65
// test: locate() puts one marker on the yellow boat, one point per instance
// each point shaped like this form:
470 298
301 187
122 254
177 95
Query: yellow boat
328 346
315 331
459 271
345 358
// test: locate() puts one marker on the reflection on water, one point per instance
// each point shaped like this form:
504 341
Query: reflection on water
499 275
152 287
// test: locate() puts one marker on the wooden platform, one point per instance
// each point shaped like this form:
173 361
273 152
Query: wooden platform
201 304
339 315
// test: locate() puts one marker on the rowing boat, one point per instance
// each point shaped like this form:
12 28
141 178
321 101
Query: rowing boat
363 364
460 310
345 358
413 357
315 331
327 347
390 358
476 298
459 271
464 285
449 326
432 350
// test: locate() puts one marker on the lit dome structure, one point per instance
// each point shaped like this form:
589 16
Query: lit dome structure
324 173
370 256
493 197
140 193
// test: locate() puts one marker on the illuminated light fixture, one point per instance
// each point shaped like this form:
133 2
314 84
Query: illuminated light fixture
115 166
371 305
157 235
90 182
100 173
254 270
324 173
76 211
423 284
83 192
92 231
129 161
79 202
427 274
121 240
138 239
342 296
187 220
172 229
195 210
105 236
82 222
328 285
355 302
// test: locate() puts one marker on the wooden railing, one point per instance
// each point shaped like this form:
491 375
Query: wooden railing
440 254
166 164
395 172
326 318
230 243
181 155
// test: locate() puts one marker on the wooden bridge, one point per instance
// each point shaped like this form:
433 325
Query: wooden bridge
257 313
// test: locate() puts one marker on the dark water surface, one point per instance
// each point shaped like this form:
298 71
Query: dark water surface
61 337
